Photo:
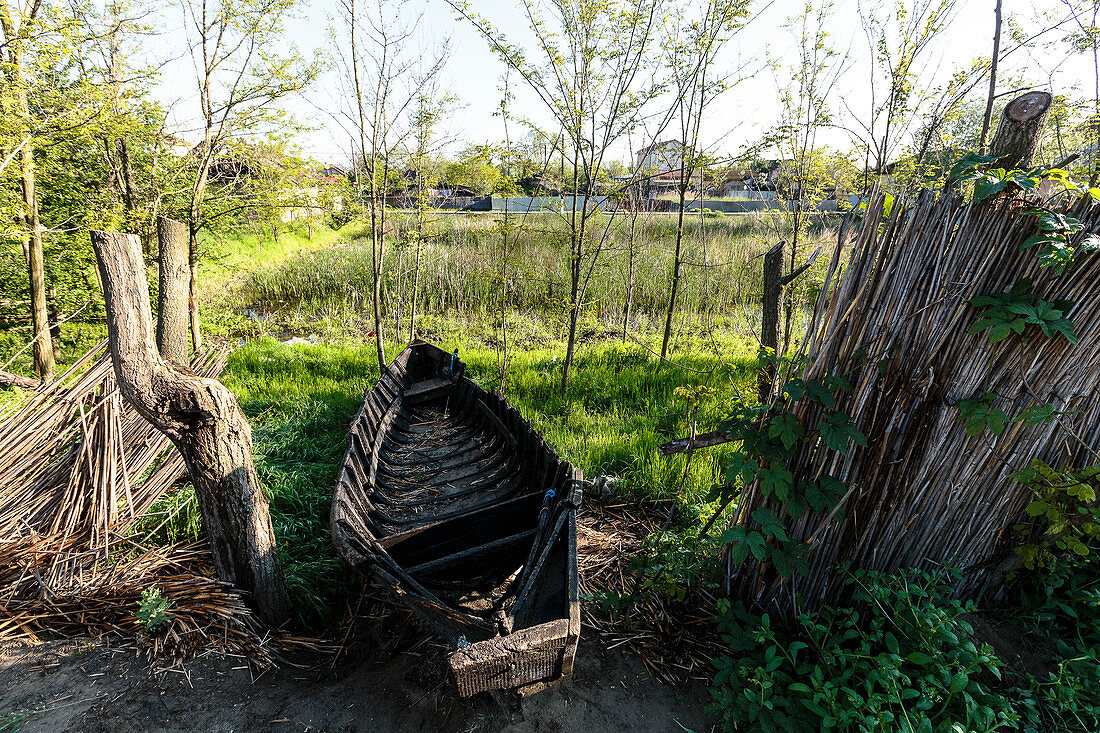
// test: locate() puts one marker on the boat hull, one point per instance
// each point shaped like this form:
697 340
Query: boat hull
452 500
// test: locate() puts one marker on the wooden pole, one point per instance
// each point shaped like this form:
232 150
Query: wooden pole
172 297
202 418
1019 130
769 318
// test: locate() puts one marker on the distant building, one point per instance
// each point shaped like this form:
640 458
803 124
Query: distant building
176 146
334 171
662 156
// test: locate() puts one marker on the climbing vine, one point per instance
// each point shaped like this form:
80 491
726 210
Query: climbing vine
1064 511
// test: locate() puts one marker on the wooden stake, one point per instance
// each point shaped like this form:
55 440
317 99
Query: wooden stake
172 298
769 317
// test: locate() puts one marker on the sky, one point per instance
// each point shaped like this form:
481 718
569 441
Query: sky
763 51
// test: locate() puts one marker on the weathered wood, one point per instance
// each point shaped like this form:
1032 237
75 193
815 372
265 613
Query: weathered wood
172 297
769 317
7 379
790 278
1019 130
703 440
924 492
202 418
453 500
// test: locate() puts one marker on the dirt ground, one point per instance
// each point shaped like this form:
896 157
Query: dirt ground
85 685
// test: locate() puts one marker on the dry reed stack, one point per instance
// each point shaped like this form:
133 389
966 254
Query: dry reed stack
924 493
78 468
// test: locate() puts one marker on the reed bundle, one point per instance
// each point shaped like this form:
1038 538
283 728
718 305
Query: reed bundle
672 636
924 493
79 467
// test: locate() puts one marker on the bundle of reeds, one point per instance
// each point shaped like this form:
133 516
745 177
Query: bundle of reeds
79 467
672 636
924 493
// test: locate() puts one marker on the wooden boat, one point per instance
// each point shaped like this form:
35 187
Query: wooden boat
451 498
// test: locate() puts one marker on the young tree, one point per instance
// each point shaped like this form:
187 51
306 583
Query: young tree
690 51
1084 38
587 69
899 37
431 108
805 112
24 34
240 78
386 75
994 58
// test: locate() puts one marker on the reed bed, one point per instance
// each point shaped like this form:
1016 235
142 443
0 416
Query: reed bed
923 493
462 266
79 468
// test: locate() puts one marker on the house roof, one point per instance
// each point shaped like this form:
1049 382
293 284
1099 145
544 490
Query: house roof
660 145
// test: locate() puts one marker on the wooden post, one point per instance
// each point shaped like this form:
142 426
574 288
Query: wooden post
1019 130
173 291
769 317
204 421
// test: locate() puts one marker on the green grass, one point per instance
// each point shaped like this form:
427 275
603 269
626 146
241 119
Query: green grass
299 399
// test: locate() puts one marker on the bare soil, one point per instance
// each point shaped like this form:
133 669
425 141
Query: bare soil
90 686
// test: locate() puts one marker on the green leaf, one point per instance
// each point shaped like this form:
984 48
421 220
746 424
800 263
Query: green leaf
787 428
1041 238
1038 414
1052 321
837 430
776 480
770 525
757 545
795 388
958 682
819 393
979 415
1036 508
968 168
988 186
740 466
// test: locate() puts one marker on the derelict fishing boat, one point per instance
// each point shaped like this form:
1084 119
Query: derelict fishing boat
454 501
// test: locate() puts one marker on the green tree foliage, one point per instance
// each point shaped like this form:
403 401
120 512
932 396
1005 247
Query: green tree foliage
474 168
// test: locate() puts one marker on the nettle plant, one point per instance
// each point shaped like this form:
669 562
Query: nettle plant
1064 507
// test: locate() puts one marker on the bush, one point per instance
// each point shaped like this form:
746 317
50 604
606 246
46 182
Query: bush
900 659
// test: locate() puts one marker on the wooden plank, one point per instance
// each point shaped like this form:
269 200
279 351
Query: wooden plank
471 553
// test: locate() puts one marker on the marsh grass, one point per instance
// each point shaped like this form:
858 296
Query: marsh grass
462 261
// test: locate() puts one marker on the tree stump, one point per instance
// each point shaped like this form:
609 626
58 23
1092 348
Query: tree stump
204 421
1019 130
173 292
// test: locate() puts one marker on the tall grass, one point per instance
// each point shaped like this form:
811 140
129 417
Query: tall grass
461 265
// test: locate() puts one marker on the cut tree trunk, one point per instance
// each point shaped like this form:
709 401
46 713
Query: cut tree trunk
172 298
769 318
202 418
1019 130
